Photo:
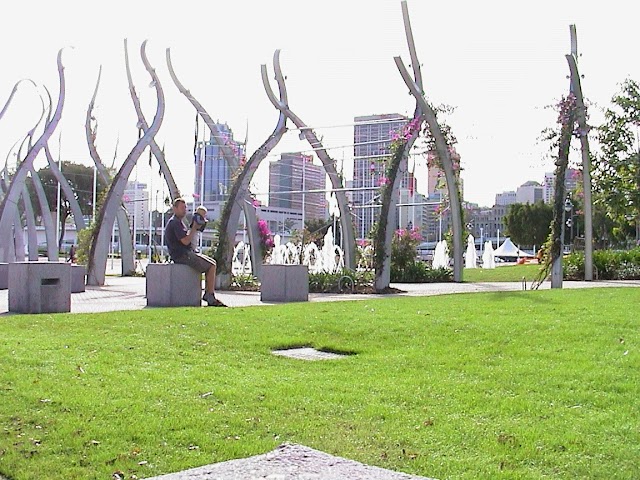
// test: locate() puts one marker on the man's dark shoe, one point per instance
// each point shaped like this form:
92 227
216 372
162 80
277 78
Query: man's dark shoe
212 301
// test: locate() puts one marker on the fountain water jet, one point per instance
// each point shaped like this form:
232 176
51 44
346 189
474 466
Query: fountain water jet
471 257
441 255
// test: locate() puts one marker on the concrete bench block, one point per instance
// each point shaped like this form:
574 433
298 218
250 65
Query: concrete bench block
39 287
284 283
78 278
4 276
173 285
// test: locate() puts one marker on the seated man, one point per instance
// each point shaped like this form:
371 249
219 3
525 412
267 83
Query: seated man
178 239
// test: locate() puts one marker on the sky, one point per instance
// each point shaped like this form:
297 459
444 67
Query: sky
498 63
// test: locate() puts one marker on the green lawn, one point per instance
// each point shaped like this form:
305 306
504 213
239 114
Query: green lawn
507 273
541 384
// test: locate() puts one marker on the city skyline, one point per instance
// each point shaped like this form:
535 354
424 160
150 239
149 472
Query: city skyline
498 65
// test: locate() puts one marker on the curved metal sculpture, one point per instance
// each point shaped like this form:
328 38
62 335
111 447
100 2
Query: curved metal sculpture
397 168
174 192
102 234
128 265
12 94
29 214
232 161
583 129
442 149
10 201
239 193
32 234
16 244
346 224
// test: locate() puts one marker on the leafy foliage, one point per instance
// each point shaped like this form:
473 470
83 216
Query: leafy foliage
343 282
403 247
617 169
419 272
529 224
80 177
608 265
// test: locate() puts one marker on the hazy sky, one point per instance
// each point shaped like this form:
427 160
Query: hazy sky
498 63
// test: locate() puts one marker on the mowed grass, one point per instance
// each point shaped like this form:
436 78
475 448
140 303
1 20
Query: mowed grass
507 273
541 384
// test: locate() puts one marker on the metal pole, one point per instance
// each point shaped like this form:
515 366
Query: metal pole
150 215
304 161
562 233
162 231
58 195
95 190
135 214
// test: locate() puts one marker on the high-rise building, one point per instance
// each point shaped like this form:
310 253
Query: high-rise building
372 137
213 174
296 172
571 180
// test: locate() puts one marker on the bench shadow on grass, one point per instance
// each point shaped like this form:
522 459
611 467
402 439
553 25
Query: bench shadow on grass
518 294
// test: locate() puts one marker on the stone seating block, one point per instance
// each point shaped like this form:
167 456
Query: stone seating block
284 283
39 287
173 285
78 278
4 276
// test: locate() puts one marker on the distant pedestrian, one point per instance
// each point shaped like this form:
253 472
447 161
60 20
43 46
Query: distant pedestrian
72 254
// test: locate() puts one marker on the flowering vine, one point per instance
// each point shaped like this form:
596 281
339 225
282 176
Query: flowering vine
400 142
266 238
561 139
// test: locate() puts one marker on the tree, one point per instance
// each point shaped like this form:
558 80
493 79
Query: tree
617 167
315 229
529 224
80 177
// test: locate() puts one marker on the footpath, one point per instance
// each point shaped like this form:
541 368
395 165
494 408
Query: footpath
128 293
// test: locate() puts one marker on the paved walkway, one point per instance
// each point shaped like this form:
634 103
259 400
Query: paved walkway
128 293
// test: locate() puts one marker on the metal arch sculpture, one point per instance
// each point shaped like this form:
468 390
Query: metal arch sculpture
14 90
52 250
101 236
583 129
32 235
124 230
16 244
232 161
4 181
346 224
398 165
442 149
9 204
240 190
49 227
174 192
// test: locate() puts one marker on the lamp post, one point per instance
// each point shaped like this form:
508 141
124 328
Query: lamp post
568 206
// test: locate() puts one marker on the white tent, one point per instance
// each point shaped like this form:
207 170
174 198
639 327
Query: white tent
508 249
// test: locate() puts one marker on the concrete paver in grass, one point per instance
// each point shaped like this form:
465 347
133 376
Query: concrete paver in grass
289 462
307 353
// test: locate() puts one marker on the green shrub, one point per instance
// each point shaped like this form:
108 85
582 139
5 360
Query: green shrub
608 265
343 282
419 272
245 282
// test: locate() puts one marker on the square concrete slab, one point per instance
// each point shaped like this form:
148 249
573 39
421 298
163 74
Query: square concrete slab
307 353
290 462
